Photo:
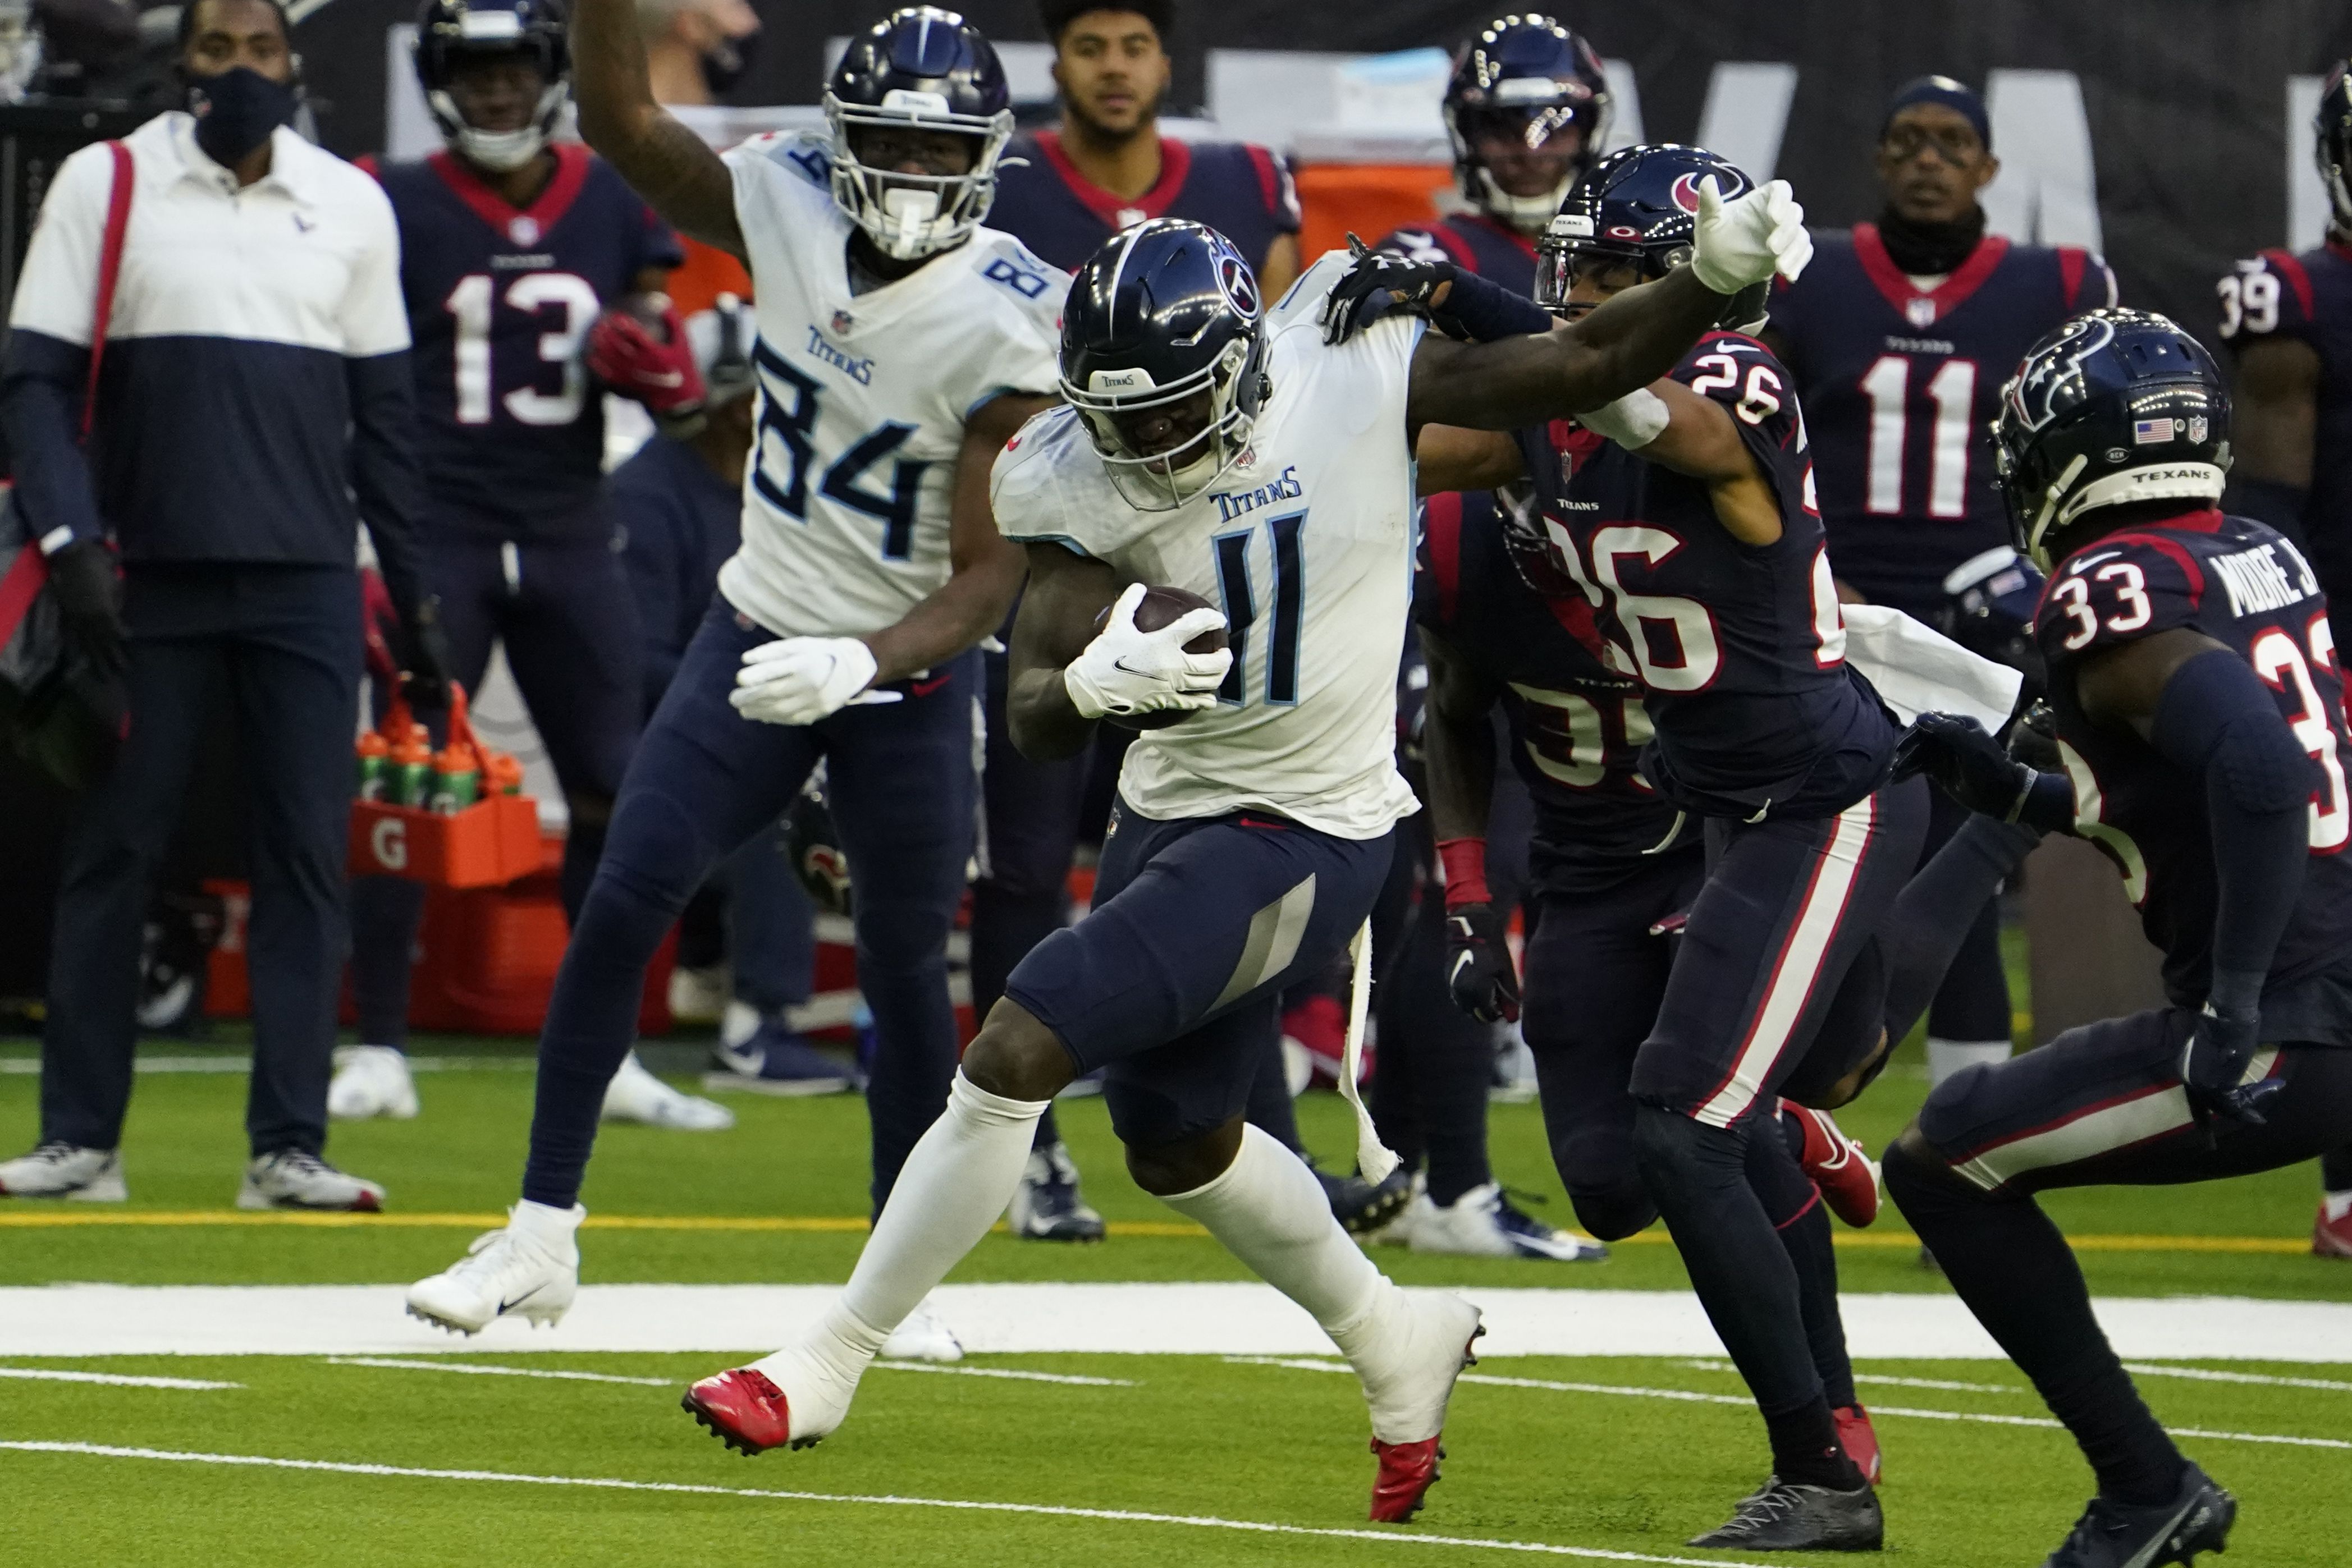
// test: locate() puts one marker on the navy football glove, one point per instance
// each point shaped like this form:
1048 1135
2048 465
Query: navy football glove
2213 1066
88 592
1478 969
1978 771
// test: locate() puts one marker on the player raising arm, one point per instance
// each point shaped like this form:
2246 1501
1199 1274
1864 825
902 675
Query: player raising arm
1250 464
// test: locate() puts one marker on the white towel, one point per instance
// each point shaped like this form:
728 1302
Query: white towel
1917 669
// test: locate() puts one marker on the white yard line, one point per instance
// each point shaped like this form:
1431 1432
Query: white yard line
1013 1372
2205 1374
31 1065
112 1379
404 1364
1112 1515
1692 1396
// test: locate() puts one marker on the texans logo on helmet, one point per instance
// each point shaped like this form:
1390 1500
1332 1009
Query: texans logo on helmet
1686 192
1239 287
2042 377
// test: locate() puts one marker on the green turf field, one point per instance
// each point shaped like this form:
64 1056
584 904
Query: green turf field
1192 1440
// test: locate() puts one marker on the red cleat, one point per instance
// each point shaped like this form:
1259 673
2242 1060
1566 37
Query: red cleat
743 1410
2331 1237
1847 1176
1407 1472
1859 1439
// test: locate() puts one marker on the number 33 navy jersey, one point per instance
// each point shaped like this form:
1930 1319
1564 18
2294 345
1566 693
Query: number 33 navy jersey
2248 588
499 302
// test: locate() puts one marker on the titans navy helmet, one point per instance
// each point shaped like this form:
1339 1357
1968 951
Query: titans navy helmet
928 70
2331 129
451 32
1639 207
2110 408
1164 359
1532 80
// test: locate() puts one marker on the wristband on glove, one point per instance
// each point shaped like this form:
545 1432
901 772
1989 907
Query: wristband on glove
2046 804
1633 421
1463 862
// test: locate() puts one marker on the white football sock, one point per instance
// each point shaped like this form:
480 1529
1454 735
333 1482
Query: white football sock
2337 1204
1946 1057
954 1185
1271 1213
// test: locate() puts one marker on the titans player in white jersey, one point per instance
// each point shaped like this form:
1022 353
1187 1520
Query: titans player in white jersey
900 344
1248 462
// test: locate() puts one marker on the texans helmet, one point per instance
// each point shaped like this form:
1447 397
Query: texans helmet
2332 128
813 843
1163 357
2110 408
929 70
451 32
1988 609
1532 80
1639 207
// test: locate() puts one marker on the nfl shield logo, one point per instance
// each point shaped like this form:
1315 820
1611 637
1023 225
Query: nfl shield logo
2197 428
1919 311
842 323
523 229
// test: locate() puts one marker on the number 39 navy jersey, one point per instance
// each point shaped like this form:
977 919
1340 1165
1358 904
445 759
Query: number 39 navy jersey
2247 588
499 302
1741 648
2307 298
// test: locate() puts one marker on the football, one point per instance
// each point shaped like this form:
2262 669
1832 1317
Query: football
1162 606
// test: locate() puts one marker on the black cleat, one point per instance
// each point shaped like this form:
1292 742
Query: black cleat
1360 1206
2119 1535
1782 1516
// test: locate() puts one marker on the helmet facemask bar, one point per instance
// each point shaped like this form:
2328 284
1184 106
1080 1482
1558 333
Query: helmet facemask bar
911 215
501 151
493 34
2330 154
1539 124
1163 481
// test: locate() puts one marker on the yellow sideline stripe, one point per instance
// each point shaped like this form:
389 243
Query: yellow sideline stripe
846 1224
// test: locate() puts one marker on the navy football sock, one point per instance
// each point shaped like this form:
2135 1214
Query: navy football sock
2009 1263
1772 1165
385 913
2336 1169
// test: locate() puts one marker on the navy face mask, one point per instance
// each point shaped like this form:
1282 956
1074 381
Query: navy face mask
237 111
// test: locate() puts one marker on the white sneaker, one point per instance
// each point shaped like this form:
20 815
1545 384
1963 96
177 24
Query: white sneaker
636 1095
295 1178
530 1268
62 1170
700 996
922 1337
1482 1223
371 1080
1399 1232
1408 1356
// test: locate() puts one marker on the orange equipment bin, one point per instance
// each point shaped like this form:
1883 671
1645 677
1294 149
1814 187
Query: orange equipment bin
1370 199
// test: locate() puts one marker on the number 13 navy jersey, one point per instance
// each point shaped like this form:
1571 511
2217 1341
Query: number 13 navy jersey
2249 589
499 302
1741 648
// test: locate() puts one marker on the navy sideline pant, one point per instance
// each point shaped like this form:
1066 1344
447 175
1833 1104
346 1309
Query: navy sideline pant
705 779
281 643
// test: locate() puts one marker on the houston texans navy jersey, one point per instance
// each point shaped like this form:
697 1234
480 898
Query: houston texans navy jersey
1741 648
2250 589
499 302
2308 298
1472 242
1241 191
1577 726
1900 386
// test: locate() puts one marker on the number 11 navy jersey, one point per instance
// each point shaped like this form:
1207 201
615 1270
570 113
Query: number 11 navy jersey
499 302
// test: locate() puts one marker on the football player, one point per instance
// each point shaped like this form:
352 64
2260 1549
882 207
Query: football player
1683 513
1247 461
901 343
2287 320
1899 337
2198 706
511 245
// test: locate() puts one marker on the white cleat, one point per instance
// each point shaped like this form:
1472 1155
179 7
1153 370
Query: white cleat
1482 1223
371 1080
295 1178
531 1269
922 1337
62 1170
1408 1357
636 1095
1400 1231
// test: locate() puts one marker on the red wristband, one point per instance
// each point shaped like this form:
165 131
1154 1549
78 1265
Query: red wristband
1463 862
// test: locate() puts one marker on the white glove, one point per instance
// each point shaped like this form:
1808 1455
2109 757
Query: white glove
800 680
1128 671
1746 240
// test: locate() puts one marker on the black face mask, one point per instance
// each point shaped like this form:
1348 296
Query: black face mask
237 111
1927 249
724 66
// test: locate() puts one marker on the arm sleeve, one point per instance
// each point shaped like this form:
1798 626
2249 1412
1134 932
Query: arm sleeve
387 479
45 373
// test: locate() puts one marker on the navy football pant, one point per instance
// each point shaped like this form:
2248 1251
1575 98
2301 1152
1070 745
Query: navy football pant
279 647
1173 983
1436 1063
704 781
2098 1105
1972 1004
568 619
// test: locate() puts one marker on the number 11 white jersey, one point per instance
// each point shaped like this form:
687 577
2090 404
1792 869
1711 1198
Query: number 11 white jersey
1307 547
863 398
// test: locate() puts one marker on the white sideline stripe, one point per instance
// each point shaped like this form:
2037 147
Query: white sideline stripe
406 1365
1692 1396
1116 1515
1892 1381
30 1065
1013 1372
112 1379
1161 1318
2204 1374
